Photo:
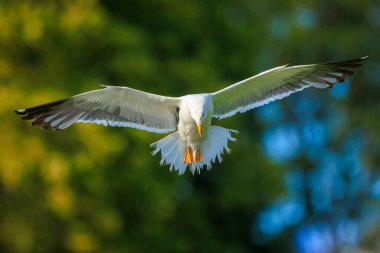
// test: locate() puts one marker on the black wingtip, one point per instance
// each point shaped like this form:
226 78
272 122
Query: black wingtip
20 111
39 113
353 63
364 58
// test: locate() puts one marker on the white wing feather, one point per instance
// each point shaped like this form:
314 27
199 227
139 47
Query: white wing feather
114 106
278 83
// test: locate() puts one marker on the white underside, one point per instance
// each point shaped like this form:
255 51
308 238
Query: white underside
173 149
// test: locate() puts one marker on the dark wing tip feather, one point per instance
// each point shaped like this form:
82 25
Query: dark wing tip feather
349 63
20 111
40 113
346 68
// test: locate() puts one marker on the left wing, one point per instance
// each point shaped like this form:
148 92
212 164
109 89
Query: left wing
113 106
278 83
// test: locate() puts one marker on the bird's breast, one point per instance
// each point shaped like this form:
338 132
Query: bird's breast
188 130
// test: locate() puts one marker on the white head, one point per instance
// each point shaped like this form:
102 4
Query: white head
199 106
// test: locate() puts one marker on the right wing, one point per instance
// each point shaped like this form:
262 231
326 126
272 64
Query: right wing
278 83
113 105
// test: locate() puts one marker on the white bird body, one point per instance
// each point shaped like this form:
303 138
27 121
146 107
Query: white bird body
197 143
187 126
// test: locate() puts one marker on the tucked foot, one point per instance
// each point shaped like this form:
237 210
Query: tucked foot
198 156
188 157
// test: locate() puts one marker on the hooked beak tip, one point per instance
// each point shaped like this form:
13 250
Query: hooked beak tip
199 129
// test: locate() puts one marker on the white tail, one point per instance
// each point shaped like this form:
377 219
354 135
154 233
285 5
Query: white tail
173 148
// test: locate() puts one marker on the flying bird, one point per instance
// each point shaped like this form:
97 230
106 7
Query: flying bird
194 143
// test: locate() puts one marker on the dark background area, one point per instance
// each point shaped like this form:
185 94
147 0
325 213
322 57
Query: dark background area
303 176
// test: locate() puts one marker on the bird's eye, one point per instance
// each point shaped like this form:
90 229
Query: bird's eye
203 114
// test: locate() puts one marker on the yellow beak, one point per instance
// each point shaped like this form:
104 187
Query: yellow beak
199 129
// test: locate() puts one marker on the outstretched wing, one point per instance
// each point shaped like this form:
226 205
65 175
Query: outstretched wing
278 83
113 105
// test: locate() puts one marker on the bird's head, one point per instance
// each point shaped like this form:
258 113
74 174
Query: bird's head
200 106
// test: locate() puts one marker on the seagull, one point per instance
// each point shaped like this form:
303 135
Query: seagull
193 143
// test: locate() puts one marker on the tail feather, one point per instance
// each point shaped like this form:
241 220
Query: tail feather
172 149
163 145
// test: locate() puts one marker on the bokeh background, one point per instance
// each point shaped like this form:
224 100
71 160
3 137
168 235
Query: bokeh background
303 177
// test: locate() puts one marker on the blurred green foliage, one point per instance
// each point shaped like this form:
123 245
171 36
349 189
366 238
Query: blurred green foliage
96 189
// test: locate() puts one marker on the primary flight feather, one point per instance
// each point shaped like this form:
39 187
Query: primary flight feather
197 143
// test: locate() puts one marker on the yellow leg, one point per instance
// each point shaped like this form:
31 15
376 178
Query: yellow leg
188 157
198 156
